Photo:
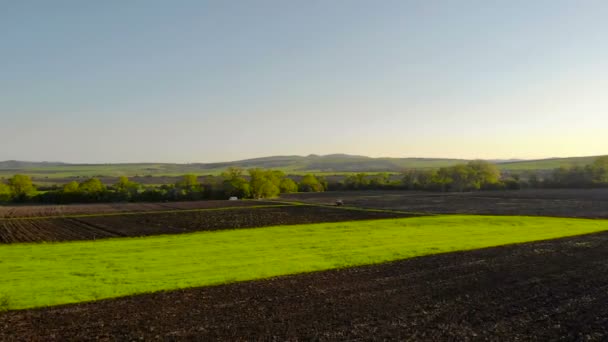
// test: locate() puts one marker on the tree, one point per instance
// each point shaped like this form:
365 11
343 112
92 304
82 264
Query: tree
288 186
483 174
379 180
92 186
188 182
599 169
71 187
235 184
357 181
6 194
310 183
264 183
21 187
126 188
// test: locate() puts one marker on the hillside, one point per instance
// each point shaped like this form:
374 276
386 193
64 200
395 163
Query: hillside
334 163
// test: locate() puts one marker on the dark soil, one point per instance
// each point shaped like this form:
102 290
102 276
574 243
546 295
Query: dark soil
113 208
590 203
97 227
552 290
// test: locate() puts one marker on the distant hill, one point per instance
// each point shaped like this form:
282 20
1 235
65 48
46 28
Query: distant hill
546 164
333 163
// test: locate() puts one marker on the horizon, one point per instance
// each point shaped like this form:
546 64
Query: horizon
502 160
207 82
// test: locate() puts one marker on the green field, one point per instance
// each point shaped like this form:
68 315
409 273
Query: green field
35 275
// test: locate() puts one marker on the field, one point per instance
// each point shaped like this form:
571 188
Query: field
40 275
591 203
44 211
122 224
546 291
388 265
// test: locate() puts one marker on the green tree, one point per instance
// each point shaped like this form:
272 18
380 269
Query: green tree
599 169
235 184
21 186
483 174
189 182
357 181
128 189
379 180
71 187
288 186
92 186
310 183
6 194
264 183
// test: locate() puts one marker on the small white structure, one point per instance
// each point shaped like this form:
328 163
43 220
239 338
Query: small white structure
339 202
233 198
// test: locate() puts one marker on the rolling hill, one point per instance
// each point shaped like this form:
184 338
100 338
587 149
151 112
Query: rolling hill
328 164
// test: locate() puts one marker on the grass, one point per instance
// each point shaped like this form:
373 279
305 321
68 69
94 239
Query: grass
34 275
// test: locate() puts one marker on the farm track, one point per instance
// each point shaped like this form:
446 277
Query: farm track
91 227
547 290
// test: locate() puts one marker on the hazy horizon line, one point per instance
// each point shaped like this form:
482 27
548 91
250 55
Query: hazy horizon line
292 155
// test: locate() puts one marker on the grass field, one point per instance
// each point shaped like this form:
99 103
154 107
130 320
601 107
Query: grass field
35 275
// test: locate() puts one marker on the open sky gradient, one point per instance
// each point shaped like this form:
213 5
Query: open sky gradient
202 81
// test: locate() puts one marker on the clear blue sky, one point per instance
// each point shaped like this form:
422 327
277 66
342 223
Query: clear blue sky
198 81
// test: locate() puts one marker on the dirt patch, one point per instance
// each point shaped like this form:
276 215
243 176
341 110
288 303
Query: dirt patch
592 203
504 293
97 227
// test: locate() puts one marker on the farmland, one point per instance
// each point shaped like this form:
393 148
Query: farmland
155 222
386 265
52 274
588 203
548 290
118 208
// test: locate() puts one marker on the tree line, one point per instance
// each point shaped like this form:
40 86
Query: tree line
259 183
480 175
253 183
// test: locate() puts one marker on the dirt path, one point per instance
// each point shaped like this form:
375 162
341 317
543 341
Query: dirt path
539 291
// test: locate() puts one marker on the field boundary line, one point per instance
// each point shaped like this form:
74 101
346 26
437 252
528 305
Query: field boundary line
372 210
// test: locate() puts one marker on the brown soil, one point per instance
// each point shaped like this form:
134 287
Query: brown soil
592 203
111 208
543 291
97 227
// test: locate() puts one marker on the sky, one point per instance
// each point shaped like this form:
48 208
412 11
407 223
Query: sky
204 81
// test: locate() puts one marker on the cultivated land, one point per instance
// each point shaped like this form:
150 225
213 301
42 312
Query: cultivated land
428 290
184 220
52 274
549 290
588 203
16 211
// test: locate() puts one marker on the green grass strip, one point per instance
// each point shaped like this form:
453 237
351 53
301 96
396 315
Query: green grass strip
142 212
34 275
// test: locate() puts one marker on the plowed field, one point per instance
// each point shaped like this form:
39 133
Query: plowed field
588 203
551 290
111 208
155 223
